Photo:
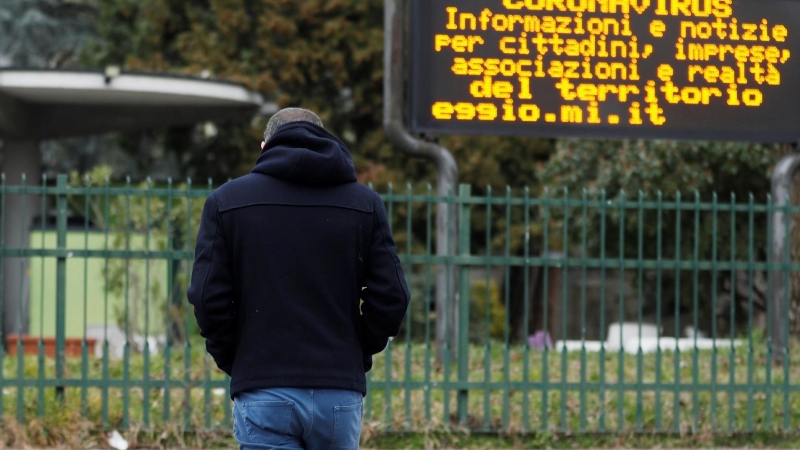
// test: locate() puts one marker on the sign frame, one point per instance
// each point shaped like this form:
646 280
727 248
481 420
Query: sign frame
420 73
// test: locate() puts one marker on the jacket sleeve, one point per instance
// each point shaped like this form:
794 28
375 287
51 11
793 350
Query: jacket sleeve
211 290
386 295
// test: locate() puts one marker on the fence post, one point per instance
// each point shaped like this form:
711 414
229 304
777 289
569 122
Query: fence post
61 283
3 329
465 191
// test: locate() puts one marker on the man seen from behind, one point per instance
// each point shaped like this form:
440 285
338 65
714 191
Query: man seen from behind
285 256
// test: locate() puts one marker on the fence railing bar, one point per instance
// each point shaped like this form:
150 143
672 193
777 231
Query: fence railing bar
387 394
676 401
487 341
750 293
20 348
187 346
100 190
602 355
583 255
595 202
621 314
40 403
714 333
526 310
459 260
106 363
565 238
544 414
591 386
126 352
3 331
659 307
146 351
409 234
427 307
85 344
449 306
380 385
169 318
507 305
769 305
639 308
787 256
696 312
732 302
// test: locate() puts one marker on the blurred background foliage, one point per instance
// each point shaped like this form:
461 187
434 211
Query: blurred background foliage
44 33
327 55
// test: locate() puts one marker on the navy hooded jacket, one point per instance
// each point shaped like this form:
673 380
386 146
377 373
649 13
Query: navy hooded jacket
284 257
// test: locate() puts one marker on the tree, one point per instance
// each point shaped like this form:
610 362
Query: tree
327 55
319 54
43 33
323 55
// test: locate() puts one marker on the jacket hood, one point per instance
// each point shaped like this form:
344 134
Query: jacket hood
304 153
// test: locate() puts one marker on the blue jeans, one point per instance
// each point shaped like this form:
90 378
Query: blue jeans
292 418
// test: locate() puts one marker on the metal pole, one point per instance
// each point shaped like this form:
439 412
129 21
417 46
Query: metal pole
462 318
393 100
779 281
61 285
19 158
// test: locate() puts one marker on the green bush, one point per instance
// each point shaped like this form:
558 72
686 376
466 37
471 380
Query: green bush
486 310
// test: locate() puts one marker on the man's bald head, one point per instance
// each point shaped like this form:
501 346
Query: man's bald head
289 115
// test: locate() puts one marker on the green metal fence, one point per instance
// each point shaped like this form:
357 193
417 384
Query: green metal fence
577 313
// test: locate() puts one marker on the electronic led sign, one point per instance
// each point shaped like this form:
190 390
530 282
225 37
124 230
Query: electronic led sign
682 69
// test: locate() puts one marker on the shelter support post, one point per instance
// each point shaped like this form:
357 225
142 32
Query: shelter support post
19 157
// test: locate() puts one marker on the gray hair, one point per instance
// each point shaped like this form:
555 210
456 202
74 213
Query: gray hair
289 115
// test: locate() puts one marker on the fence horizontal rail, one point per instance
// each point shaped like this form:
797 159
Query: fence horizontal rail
152 383
565 200
77 253
116 191
517 261
589 386
520 386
